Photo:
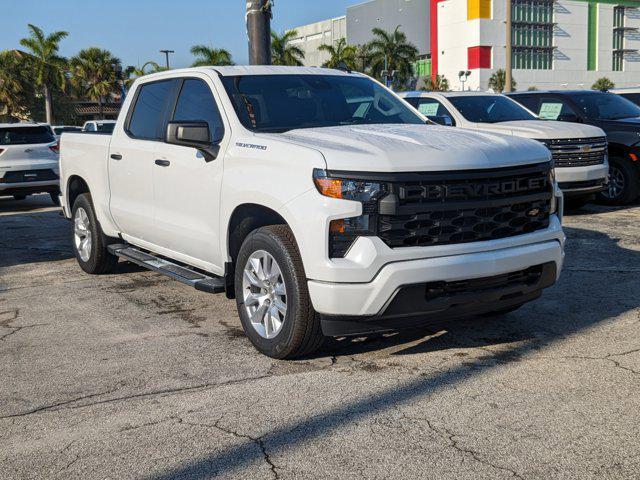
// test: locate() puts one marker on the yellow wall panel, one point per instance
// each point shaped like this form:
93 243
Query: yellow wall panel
478 9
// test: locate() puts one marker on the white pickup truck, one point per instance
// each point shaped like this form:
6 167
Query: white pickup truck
316 198
579 151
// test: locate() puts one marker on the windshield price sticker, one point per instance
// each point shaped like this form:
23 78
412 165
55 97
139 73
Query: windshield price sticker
429 109
550 111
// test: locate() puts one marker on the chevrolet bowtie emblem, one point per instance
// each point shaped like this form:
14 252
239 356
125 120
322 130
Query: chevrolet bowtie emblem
586 149
534 212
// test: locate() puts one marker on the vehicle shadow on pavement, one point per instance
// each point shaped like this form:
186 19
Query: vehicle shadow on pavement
594 289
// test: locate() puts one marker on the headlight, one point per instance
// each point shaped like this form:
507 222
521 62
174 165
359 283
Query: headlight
347 189
343 232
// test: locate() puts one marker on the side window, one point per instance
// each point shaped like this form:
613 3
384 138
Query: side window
147 117
433 109
196 103
554 108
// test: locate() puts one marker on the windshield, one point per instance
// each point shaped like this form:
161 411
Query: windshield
25 135
606 106
490 109
277 103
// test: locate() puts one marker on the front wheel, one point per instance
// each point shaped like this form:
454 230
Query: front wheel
272 296
88 239
624 184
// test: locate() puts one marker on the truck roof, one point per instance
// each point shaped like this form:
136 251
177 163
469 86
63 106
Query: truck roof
242 70
557 92
466 93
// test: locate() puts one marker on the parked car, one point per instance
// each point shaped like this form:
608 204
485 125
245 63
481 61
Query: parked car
579 151
617 116
632 94
321 215
29 161
58 130
99 126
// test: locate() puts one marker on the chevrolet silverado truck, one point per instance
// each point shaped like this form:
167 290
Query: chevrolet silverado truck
318 199
579 151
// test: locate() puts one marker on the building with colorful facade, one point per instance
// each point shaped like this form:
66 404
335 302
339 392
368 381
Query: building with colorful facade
556 43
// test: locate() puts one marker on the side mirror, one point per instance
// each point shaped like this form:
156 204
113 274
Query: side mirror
442 120
194 135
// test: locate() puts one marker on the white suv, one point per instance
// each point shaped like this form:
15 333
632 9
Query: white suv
29 161
579 151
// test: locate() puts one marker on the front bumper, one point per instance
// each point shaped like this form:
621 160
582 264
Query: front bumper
574 181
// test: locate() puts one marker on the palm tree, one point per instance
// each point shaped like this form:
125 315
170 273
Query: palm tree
340 54
391 51
437 84
210 56
132 73
94 73
282 52
15 86
48 67
498 81
603 84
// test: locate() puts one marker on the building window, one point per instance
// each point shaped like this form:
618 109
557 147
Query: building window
532 34
479 57
618 39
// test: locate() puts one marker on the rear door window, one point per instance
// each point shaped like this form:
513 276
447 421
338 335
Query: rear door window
196 104
25 135
147 117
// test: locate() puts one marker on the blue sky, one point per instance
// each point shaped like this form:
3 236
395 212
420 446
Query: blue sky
135 30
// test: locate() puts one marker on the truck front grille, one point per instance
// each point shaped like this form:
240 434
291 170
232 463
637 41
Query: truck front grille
23 176
579 152
421 209
463 225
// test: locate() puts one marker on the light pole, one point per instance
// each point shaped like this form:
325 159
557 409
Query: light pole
508 49
166 56
258 18
463 76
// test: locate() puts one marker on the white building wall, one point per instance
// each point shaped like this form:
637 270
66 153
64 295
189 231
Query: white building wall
311 36
456 34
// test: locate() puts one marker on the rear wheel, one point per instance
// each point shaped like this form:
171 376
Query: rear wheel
89 241
19 197
272 297
624 184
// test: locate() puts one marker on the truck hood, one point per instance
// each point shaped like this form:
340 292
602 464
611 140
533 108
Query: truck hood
407 148
541 129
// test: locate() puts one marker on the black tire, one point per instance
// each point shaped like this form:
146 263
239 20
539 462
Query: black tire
99 260
621 168
300 333
55 199
19 197
576 203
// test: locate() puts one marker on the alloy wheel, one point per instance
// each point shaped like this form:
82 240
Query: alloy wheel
82 234
616 183
264 294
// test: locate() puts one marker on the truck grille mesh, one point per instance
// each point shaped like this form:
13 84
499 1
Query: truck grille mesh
464 225
578 152
442 209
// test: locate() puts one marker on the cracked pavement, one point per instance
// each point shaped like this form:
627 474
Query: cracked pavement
132 375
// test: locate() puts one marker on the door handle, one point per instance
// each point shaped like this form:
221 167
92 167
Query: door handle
163 163
116 156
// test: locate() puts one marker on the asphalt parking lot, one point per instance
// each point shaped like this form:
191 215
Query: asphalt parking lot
132 375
